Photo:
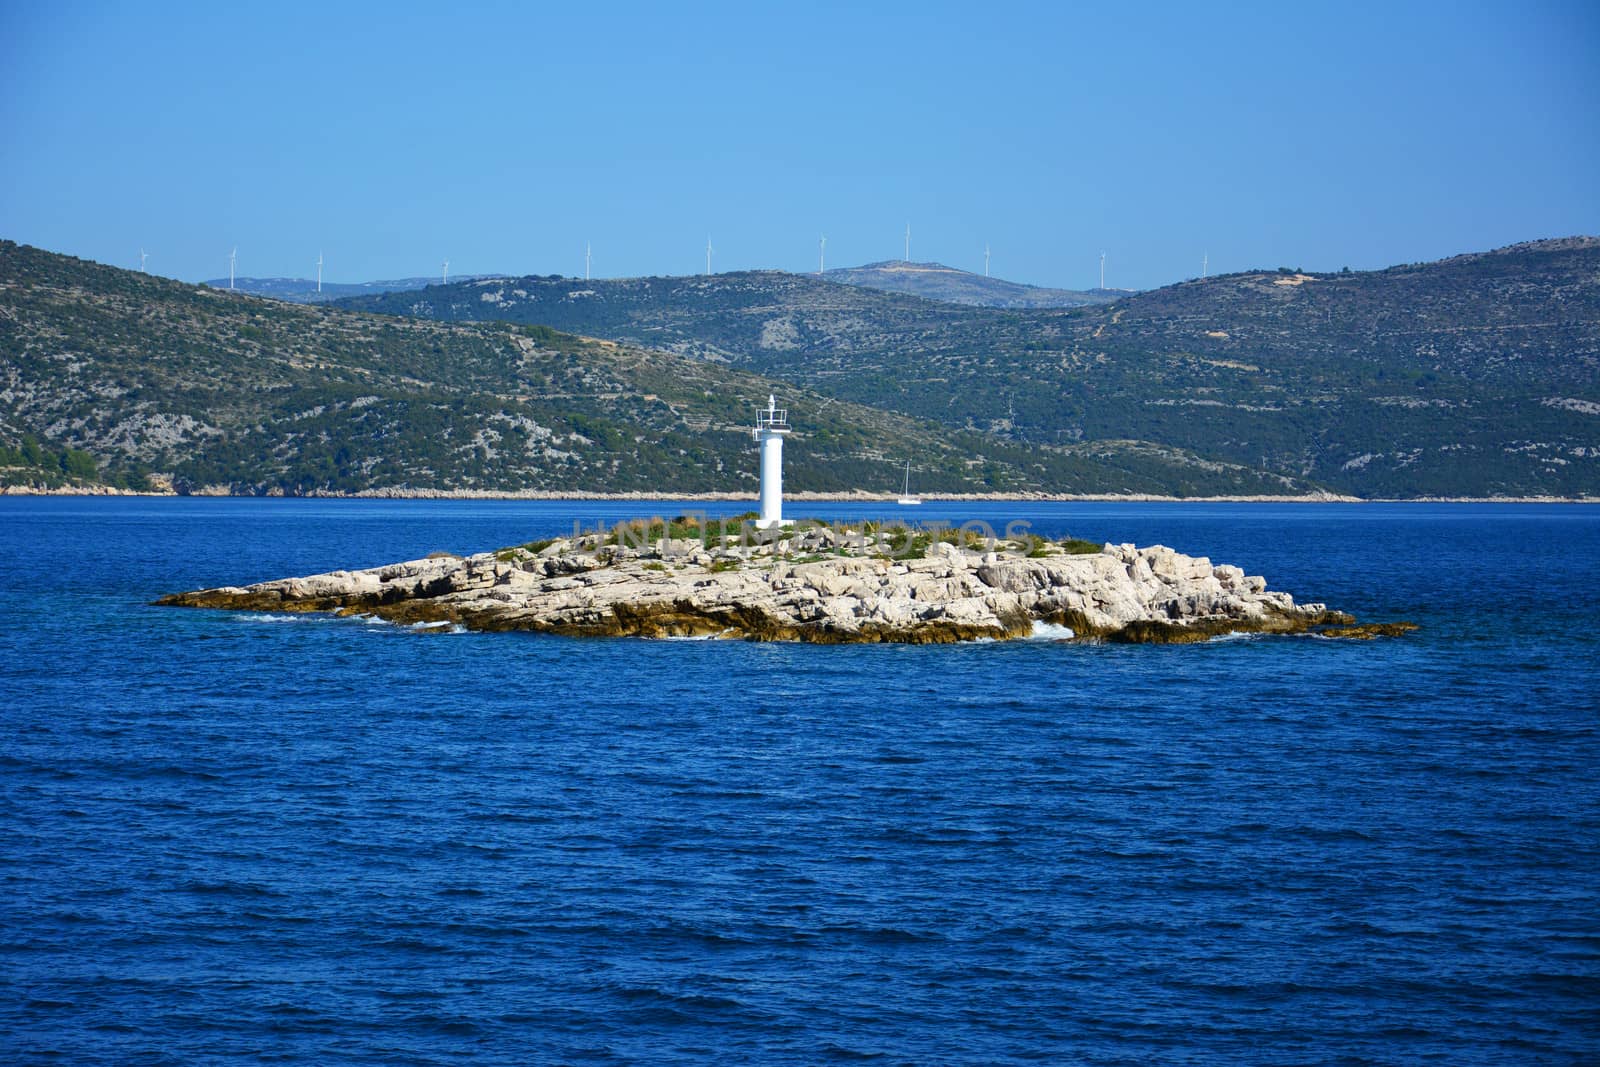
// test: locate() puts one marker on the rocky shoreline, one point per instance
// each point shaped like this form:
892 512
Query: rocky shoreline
814 583
859 496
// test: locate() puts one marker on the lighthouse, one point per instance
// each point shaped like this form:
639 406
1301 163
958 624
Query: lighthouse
772 425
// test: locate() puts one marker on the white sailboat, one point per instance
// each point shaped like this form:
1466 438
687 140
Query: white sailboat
905 493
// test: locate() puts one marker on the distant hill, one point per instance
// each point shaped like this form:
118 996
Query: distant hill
304 290
732 317
1473 376
935 281
110 376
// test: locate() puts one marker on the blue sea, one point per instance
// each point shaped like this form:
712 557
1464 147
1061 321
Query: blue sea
240 837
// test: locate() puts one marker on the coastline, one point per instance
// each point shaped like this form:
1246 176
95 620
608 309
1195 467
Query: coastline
855 497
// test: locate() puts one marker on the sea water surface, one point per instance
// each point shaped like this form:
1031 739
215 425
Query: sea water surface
299 839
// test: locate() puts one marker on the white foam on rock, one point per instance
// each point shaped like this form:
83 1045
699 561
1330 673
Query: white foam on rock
1050 631
720 635
441 626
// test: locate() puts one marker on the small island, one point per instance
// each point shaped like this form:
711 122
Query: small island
826 583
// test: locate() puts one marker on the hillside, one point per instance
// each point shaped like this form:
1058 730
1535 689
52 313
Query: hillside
304 290
110 376
1473 376
935 281
741 316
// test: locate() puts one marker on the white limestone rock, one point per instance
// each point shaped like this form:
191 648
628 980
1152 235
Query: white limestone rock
683 587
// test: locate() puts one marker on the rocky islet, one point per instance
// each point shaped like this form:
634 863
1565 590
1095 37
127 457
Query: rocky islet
812 582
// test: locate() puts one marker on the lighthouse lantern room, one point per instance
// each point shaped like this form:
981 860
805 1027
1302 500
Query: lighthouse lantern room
772 425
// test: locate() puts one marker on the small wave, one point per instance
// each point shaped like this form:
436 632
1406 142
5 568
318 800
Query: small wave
401 943
226 888
879 935
435 626
443 626
843 1052
159 771
449 1025
440 626
1050 631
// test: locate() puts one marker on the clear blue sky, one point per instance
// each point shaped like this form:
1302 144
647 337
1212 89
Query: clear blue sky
504 136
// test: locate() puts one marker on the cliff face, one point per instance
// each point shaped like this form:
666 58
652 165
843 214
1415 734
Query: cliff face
819 585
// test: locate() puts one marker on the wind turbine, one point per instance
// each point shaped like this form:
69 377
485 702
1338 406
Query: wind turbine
822 254
445 268
908 242
319 272
709 250
588 258
1102 270
985 261
232 256
142 258
1205 260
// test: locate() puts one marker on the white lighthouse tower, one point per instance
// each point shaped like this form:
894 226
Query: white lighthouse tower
772 425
